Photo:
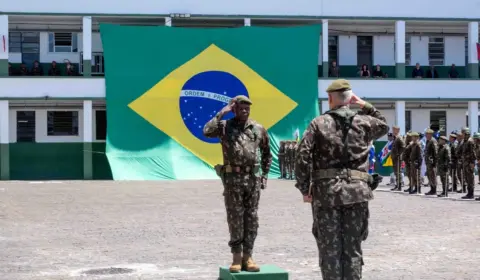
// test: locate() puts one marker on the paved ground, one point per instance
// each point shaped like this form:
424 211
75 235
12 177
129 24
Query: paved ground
177 230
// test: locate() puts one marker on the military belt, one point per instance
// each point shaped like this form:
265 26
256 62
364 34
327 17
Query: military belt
241 169
348 174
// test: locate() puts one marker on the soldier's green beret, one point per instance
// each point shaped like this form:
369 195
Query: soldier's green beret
396 127
339 85
444 138
242 99
466 130
476 135
414 134
453 135
429 131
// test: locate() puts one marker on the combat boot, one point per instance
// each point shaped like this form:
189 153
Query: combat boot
236 265
469 194
413 190
248 264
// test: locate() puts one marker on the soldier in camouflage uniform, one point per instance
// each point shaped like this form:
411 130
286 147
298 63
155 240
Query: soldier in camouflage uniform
338 158
444 162
281 160
288 161
431 151
406 159
416 163
294 154
241 138
453 167
459 156
398 147
468 155
476 138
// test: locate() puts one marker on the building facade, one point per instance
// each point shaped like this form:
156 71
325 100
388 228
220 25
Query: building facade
53 121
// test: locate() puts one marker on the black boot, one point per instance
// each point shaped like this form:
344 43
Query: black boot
413 190
408 190
433 191
469 194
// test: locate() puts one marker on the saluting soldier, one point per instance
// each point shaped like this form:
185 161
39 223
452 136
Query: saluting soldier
459 156
281 160
398 146
416 163
444 163
468 155
431 150
406 159
454 161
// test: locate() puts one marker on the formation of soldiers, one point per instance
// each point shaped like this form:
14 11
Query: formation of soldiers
452 159
286 158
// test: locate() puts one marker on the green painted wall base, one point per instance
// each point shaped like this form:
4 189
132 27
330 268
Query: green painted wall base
3 67
267 272
473 70
4 162
87 161
87 68
400 70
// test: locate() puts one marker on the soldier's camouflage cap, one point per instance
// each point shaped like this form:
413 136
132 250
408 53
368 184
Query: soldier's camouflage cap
444 138
476 135
241 99
453 135
428 131
465 130
414 134
339 85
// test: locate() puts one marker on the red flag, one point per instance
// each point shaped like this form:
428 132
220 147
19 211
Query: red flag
5 44
478 51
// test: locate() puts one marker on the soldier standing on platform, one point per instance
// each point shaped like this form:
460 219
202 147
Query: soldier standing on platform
241 138
468 155
415 164
398 147
431 150
406 159
444 163
453 167
281 160
459 156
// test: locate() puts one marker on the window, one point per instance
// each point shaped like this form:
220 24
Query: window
438 122
62 123
25 126
436 50
408 50
62 42
15 42
101 124
332 49
365 50
98 63
24 42
408 120
478 123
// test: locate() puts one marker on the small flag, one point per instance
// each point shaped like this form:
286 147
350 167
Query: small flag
385 157
4 40
478 51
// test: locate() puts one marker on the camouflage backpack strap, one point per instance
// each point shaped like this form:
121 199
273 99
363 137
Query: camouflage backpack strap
344 119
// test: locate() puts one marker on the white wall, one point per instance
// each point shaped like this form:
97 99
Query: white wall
47 57
52 87
384 50
347 50
455 50
419 51
320 8
15 57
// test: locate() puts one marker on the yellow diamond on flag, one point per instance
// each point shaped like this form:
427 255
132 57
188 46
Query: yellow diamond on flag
160 105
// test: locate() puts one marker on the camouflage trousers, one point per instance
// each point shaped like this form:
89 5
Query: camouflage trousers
242 194
453 175
415 177
281 166
469 173
341 231
316 233
460 175
443 173
432 175
288 167
397 165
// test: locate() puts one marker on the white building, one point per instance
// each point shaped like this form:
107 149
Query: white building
55 127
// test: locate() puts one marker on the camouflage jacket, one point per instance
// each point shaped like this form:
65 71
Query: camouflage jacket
416 154
281 151
322 147
459 152
468 151
453 149
477 152
240 142
431 151
407 152
398 147
444 157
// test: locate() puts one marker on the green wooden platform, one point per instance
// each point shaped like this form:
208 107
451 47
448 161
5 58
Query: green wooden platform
267 272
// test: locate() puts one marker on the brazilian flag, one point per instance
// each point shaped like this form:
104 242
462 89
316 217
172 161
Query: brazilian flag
163 84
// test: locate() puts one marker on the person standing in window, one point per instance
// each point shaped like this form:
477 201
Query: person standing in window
54 71
432 73
37 70
378 72
334 71
364 72
453 73
417 72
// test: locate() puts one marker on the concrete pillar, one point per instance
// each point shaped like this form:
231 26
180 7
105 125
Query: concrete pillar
473 116
324 106
400 116
472 50
325 48
168 21
4 140
247 22
87 46
87 139
400 49
3 45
